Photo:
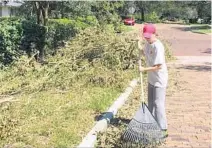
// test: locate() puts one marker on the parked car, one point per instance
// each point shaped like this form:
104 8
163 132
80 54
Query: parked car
129 21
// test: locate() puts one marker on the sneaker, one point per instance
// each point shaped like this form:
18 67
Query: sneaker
165 133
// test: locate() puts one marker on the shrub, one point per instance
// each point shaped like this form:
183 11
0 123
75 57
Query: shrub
17 35
9 20
10 36
34 37
59 30
52 36
152 17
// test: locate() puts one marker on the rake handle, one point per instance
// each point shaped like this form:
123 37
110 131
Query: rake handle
142 88
141 75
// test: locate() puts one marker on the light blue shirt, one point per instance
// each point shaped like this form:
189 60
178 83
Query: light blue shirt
155 54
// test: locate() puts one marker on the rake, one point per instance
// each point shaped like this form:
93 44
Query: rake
143 130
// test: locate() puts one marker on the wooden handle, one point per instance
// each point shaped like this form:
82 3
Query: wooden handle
142 87
141 76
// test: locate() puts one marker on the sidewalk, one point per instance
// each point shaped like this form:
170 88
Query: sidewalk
189 106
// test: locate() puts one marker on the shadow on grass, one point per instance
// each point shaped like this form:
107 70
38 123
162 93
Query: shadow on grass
208 51
194 28
199 32
204 68
172 22
139 22
113 121
198 27
119 121
104 115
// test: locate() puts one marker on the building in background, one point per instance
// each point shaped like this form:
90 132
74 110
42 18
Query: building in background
8 8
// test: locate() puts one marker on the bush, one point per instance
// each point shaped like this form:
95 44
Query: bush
17 35
152 17
33 37
138 17
91 20
10 36
53 36
9 20
59 30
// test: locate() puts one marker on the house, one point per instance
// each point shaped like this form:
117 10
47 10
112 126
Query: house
8 8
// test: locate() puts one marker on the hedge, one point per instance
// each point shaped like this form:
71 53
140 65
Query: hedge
18 36
10 37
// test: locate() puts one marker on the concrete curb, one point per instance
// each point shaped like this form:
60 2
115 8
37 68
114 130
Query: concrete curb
90 139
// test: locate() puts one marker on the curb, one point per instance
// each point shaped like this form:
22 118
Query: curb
90 139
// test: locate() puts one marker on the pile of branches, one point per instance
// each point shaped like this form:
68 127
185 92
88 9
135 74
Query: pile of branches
94 57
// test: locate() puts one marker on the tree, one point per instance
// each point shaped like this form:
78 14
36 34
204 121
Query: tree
39 9
142 6
199 9
148 7
106 11
70 9
26 10
42 8
204 10
175 9
191 13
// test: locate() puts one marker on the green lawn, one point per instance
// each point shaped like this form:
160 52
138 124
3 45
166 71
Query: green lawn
200 28
122 28
51 118
54 117
128 28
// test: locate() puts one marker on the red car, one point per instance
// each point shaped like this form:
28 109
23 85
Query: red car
129 21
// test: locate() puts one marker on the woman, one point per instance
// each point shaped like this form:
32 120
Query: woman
157 75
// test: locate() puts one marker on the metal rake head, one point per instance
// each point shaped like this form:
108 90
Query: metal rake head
143 130
145 133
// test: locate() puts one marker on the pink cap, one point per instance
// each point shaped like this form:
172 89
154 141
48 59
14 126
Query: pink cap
148 30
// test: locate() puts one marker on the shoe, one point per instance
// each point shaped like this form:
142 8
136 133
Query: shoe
165 133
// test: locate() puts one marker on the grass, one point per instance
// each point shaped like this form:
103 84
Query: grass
50 118
202 31
53 117
200 28
122 28
128 28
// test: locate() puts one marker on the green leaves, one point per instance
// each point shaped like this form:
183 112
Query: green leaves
19 36
10 36
152 17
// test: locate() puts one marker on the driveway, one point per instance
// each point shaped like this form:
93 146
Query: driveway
183 41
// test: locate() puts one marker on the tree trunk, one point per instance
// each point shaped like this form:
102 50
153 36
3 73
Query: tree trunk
142 11
39 13
62 10
42 8
45 8
142 14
